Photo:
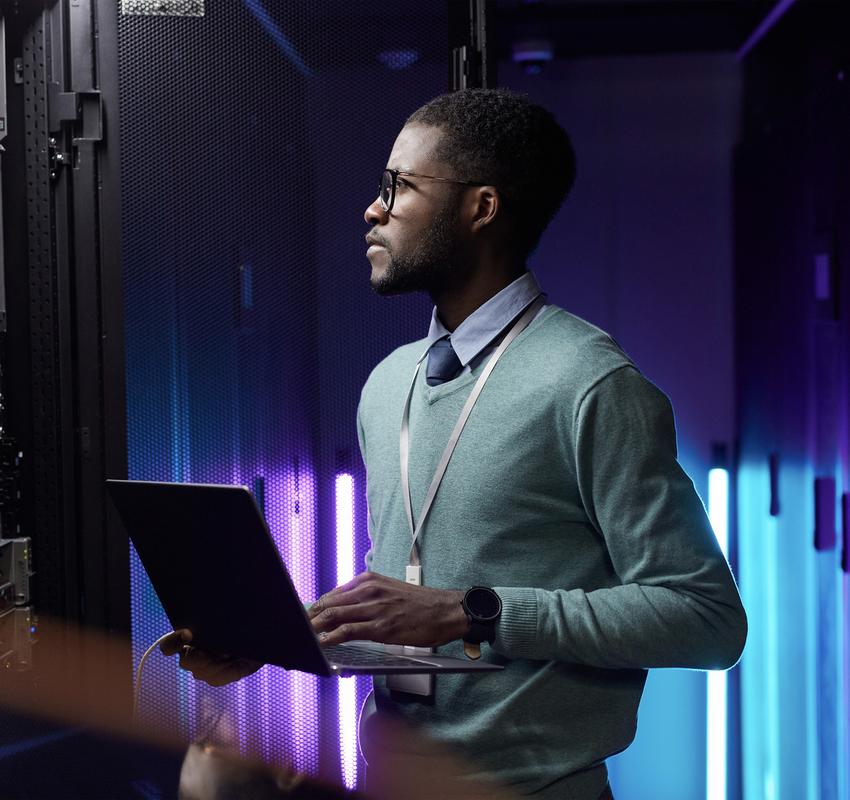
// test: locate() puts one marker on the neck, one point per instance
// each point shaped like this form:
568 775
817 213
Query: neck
455 303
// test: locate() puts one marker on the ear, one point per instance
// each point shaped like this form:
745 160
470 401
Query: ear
484 204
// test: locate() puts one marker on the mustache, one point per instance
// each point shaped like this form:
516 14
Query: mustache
373 238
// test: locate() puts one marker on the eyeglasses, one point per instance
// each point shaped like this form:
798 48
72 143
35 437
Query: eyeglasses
389 180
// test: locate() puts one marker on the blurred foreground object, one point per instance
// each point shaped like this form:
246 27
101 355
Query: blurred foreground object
413 768
78 676
74 708
211 773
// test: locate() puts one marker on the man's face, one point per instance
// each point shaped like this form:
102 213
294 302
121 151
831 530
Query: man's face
417 245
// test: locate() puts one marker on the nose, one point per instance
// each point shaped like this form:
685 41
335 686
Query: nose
375 214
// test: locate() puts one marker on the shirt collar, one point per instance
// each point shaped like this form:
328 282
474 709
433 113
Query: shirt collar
488 320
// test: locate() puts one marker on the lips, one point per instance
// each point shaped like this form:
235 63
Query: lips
375 247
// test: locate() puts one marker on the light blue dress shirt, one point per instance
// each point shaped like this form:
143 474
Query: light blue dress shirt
474 339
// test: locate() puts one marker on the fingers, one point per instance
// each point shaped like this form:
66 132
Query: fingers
368 607
177 639
193 659
341 596
349 631
387 610
216 670
355 582
201 663
334 616
365 586
233 670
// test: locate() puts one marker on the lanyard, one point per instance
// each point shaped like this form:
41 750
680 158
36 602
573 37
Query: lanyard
404 440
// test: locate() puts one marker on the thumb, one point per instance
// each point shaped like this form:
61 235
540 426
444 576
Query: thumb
174 641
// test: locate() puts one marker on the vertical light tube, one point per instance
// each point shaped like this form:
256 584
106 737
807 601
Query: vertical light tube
301 687
715 767
289 494
771 717
344 528
345 573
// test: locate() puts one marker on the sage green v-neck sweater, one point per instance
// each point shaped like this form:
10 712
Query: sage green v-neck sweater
565 495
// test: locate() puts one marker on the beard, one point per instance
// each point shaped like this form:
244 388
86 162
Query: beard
433 263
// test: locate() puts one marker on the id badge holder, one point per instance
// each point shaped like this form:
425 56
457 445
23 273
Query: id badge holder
419 685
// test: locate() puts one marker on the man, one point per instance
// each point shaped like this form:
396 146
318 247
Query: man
562 498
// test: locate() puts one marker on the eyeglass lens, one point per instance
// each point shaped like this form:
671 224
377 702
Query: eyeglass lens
386 190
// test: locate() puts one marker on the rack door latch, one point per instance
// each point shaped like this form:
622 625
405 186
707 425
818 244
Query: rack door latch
84 110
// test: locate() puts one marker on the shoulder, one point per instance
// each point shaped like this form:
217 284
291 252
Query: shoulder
603 387
392 373
571 348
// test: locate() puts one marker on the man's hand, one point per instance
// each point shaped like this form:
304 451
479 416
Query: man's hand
389 611
215 669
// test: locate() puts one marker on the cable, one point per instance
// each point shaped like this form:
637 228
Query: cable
142 661
216 718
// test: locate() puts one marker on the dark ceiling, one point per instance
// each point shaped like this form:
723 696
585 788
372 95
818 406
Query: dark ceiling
610 27
356 32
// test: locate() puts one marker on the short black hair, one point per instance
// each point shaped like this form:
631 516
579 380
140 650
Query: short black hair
502 138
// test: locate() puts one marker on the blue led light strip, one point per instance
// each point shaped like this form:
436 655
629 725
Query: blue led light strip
716 688
278 36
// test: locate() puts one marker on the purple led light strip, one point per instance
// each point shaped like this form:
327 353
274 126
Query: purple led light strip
345 573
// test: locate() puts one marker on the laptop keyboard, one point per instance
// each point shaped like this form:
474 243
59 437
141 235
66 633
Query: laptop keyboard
363 657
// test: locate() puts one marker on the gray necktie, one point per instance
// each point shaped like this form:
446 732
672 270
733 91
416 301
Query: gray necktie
443 363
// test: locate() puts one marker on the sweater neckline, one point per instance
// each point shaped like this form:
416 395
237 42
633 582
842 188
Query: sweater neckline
434 393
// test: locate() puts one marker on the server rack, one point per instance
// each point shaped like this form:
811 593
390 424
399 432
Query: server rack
84 114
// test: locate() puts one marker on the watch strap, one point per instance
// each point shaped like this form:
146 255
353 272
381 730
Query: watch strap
481 628
472 650
480 632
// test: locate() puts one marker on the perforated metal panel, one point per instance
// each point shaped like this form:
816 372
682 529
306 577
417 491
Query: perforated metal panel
49 403
252 141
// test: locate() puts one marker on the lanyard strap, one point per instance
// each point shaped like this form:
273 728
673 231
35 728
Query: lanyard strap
404 440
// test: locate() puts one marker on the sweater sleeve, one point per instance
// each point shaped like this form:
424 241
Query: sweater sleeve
677 604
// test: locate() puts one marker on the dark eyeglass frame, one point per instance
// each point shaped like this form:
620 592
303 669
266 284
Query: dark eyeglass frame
394 173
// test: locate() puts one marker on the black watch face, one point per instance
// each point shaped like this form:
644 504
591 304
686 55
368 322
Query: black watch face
483 603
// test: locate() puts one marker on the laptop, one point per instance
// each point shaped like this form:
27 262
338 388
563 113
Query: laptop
216 570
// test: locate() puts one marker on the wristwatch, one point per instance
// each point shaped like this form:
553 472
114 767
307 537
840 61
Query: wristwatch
482 607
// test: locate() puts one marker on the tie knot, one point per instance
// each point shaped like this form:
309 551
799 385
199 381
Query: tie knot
443 363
